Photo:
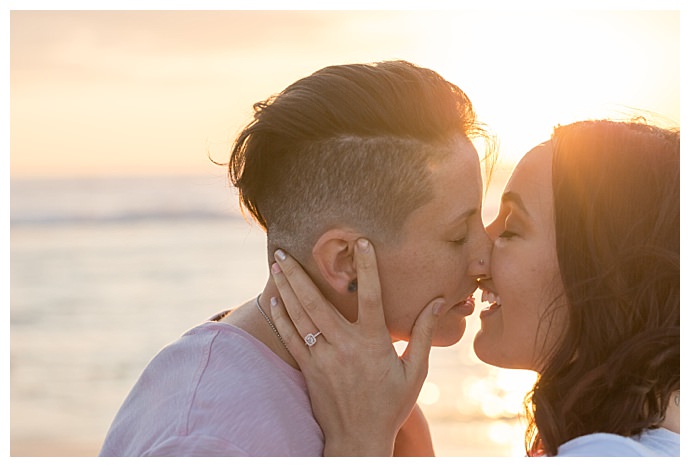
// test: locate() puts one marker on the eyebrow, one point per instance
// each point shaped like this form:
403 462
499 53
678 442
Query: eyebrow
514 198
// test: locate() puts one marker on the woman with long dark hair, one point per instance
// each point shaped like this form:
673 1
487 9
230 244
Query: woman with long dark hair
584 289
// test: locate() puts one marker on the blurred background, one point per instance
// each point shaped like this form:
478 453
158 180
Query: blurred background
124 234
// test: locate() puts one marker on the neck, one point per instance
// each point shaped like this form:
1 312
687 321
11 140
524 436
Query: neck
672 419
269 336
248 318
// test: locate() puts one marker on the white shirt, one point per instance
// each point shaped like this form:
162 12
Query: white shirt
658 442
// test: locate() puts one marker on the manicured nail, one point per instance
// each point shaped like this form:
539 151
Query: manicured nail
363 244
275 269
280 254
274 302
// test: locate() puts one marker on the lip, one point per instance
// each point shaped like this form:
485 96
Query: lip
484 285
490 310
465 307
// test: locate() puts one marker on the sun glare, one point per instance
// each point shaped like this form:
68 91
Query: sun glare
534 70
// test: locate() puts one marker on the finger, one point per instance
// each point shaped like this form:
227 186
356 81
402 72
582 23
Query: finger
293 340
301 320
324 316
368 287
416 355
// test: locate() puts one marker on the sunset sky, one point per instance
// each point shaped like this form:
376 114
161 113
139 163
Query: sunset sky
152 92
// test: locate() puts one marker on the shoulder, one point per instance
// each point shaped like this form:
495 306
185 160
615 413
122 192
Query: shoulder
651 443
191 353
237 370
220 358
216 391
212 340
664 442
249 398
230 348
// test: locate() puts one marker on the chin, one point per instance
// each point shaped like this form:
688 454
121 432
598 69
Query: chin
479 346
490 354
445 342
448 334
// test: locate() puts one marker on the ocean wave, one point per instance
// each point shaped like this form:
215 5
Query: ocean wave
120 200
118 218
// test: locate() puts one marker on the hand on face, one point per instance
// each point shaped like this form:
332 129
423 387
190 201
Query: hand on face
361 390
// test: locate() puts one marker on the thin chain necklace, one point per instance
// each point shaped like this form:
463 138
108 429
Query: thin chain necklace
270 323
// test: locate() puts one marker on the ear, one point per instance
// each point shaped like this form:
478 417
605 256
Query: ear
333 254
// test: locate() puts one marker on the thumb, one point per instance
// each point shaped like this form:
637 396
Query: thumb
416 355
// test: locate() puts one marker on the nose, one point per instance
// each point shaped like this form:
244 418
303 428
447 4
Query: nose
480 266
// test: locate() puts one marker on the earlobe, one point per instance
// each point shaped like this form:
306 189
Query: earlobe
333 254
352 286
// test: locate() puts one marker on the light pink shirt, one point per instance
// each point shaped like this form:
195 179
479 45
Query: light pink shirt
216 391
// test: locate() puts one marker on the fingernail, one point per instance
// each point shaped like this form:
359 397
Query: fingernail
274 302
280 254
275 268
436 309
363 244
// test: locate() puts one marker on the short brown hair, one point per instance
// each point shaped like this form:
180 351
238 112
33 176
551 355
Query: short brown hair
347 145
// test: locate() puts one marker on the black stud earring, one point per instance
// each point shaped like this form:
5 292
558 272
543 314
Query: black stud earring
352 286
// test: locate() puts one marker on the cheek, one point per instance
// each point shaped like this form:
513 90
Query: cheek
409 283
400 282
408 272
442 275
518 275
527 289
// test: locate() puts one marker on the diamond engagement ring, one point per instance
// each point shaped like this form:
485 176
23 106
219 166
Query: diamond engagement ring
310 339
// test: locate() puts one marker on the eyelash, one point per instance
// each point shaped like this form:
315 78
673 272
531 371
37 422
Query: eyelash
461 241
507 234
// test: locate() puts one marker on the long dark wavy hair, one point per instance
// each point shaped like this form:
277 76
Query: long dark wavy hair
616 188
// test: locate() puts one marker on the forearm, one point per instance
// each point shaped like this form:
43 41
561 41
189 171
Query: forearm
414 437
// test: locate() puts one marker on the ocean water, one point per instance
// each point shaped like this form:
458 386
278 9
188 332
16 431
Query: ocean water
106 271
